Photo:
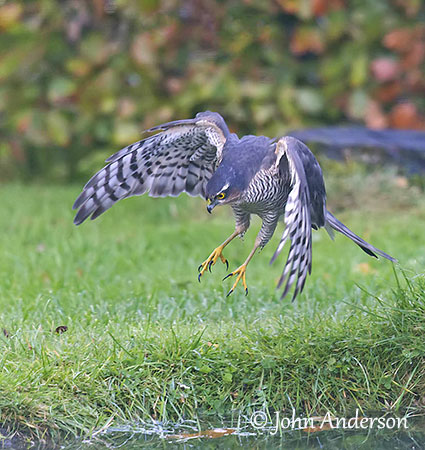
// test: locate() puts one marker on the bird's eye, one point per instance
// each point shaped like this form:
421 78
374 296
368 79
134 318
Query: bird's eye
221 195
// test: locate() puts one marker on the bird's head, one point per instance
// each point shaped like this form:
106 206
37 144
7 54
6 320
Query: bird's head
222 188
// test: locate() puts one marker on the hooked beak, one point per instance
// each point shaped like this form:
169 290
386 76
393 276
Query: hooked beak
211 205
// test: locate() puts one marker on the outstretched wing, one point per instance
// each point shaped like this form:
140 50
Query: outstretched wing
181 158
305 208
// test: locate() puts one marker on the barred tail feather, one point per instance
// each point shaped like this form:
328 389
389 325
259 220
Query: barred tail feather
365 246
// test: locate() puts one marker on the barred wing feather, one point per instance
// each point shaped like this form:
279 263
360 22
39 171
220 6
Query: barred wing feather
180 158
297 219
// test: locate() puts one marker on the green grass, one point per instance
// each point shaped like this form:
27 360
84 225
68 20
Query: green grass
145 339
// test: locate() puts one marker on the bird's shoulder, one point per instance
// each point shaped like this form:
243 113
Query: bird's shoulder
297 159
248 148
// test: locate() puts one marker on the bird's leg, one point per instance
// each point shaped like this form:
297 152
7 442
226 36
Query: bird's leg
216 253
241 270
266 232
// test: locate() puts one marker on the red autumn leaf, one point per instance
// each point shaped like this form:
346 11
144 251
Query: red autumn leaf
306 40
388 92
321 7
399 40
406 116
415 56
402 39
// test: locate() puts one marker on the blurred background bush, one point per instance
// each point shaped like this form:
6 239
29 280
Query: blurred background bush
80 79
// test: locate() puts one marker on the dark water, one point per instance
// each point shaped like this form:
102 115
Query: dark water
241 435
326 440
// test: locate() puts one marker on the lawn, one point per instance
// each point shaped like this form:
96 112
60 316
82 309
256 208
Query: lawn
144 339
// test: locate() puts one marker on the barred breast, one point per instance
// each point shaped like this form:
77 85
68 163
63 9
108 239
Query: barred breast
266 194
266 197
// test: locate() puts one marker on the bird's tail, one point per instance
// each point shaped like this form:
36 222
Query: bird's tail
334 223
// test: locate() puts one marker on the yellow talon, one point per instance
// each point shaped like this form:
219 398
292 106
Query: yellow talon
211 260
241 273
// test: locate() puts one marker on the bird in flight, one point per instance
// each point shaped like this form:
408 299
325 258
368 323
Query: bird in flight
272 178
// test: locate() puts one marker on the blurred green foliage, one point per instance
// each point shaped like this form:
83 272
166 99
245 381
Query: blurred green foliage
80 79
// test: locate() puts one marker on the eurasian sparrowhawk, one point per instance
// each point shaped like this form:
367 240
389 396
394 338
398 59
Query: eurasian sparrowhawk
272 178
